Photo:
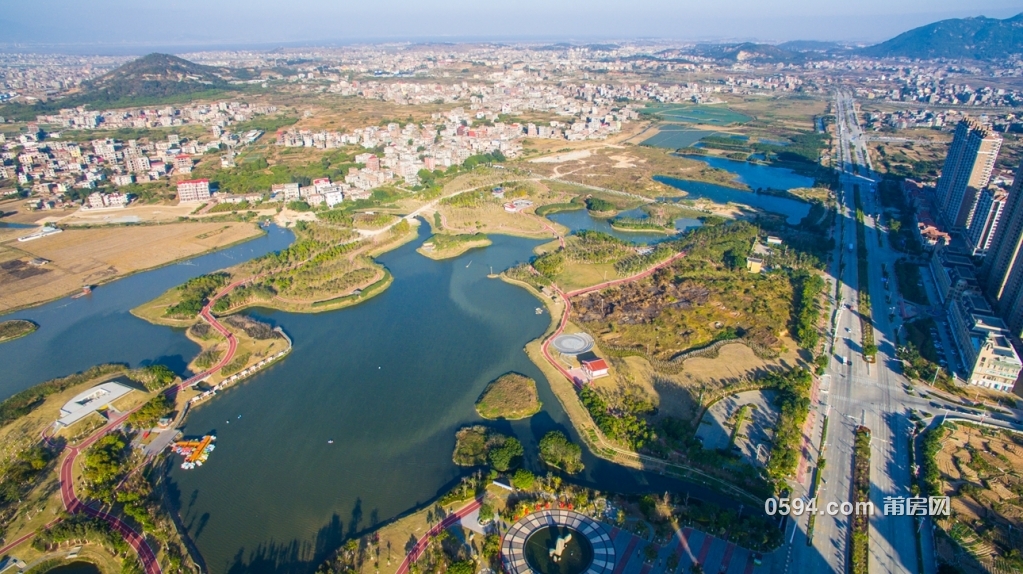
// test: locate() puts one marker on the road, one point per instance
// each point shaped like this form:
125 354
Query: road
856 392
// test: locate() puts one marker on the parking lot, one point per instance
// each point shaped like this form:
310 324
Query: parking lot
752 441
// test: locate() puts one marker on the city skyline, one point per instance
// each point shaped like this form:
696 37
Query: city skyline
79 28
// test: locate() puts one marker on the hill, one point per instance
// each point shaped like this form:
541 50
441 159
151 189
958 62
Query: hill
749 52
970 38
155 76
149 80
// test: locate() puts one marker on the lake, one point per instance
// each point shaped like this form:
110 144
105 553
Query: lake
758 175
75 334
793 210
389 382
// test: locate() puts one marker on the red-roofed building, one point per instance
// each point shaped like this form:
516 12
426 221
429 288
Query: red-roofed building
596 368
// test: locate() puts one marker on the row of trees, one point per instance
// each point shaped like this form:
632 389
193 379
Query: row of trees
793 402
588 246
807 309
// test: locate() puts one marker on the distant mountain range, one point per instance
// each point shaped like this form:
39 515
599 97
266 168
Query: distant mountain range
959 38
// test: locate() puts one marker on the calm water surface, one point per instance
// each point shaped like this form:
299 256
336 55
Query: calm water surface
75 334
581 219
793 210
757 175
389 381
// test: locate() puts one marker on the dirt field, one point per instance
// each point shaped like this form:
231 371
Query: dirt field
980 470
80 257
626 168
678 395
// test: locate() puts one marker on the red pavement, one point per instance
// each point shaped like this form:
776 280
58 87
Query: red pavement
626 555
727 559
423 542
705 549
67 486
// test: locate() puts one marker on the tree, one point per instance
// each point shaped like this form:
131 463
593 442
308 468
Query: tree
505 456
869 350
147 415
491 546
462 567
556 450
523 479
486 512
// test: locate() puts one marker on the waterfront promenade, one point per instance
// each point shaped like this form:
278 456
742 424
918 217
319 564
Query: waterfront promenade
70 499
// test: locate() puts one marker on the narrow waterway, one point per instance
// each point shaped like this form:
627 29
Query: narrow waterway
581 219
75 334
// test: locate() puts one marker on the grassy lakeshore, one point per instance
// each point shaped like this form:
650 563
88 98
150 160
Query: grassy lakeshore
31 468
583 422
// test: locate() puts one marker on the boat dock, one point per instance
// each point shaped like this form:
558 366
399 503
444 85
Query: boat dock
246 372
196 452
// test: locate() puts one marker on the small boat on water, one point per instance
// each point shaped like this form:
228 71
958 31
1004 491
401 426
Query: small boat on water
87 290
539 310
470 263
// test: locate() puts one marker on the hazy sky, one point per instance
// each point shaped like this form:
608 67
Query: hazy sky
106 24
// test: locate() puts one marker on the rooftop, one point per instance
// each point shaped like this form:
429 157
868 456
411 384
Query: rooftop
90 401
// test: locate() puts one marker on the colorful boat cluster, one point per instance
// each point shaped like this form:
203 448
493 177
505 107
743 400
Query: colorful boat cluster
195 451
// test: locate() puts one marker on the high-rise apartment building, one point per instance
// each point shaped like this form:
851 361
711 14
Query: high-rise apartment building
984 223
1002 271
967 170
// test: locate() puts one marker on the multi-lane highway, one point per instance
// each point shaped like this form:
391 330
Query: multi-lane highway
855 392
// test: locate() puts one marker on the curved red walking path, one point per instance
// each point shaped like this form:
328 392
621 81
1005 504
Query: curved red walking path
67 484
422 543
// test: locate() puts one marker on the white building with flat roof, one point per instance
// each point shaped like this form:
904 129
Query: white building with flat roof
90 401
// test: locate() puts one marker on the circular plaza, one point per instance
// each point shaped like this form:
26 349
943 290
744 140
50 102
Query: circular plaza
557 542
573 344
